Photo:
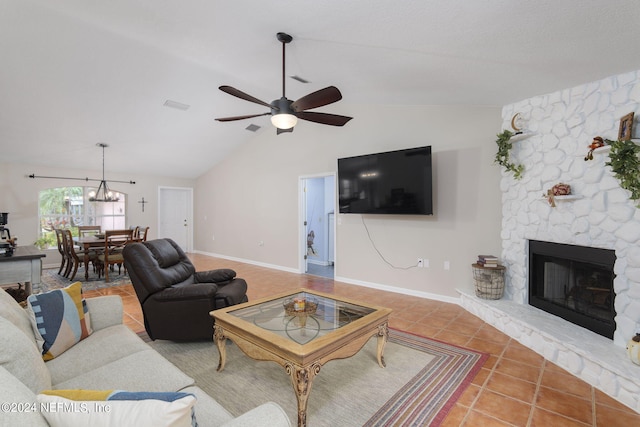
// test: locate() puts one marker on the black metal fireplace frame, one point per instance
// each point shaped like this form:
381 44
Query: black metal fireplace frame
600 257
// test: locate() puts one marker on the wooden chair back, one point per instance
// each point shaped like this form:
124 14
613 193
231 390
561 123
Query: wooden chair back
114 242
142 233
61 249
87 230
73 259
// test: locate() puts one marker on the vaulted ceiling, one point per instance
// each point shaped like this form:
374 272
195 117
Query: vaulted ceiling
74 73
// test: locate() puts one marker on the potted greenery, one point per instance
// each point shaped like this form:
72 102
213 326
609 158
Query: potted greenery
502 156
45 242
625 165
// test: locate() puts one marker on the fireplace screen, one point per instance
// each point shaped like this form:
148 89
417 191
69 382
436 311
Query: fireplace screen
575 283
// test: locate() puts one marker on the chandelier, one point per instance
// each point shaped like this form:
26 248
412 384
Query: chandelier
102 194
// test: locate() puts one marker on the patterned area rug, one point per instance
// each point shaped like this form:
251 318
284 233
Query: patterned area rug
51 280
421 383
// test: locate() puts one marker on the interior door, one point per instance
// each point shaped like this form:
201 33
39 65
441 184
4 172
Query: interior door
175 215
303 195
317 199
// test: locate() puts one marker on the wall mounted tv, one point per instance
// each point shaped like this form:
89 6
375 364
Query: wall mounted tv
393 182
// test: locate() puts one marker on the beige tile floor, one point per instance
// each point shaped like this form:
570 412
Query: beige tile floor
516 386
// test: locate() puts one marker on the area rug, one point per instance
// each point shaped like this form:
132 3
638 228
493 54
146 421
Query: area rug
52 280
420 384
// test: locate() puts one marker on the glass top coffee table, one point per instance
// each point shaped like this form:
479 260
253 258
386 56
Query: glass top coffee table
301 331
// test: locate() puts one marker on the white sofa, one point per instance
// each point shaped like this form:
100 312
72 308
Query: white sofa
112 357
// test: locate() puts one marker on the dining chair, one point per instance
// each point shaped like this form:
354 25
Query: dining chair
114 242
74 258
61 249
87 230
142 234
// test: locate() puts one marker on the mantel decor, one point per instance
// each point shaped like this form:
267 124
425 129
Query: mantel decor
502 156
625 165
559 189
626 126
597 142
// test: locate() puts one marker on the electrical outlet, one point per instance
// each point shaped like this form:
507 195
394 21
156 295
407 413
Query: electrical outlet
420 262
447 265
425 263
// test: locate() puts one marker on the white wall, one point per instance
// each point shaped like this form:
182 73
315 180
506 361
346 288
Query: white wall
19 197
252 196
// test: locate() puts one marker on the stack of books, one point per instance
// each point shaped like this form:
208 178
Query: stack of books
488 261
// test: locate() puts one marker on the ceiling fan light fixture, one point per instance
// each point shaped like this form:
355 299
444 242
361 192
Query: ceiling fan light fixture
284 112
284 121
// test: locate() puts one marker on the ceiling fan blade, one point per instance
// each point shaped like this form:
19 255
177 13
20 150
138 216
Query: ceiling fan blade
279 131
231 119
323 118
239 94
319 98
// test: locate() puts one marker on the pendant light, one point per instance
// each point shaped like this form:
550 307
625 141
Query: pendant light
103 194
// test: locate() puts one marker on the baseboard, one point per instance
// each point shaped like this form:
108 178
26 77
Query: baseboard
378 286
248 261
318 262
403 291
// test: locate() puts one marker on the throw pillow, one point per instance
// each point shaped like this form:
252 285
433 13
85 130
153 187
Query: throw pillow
109 408
60 319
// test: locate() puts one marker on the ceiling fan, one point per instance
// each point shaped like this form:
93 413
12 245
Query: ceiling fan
284 112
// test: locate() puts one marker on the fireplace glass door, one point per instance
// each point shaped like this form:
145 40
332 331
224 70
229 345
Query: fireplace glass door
575 283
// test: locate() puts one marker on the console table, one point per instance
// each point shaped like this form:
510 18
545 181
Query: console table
24 266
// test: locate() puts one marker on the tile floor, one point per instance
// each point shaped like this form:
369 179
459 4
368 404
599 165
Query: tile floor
516 387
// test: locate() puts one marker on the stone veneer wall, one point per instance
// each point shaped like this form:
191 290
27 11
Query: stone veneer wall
563 124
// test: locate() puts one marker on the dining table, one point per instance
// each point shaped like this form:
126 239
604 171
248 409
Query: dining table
91 241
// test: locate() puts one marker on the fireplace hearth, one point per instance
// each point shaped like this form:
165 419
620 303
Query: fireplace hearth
574 283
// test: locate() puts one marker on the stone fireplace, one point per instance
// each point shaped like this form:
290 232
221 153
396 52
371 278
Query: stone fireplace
559 128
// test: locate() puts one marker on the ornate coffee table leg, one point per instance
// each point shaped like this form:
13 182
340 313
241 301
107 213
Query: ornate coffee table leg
383 335
221 342
302 378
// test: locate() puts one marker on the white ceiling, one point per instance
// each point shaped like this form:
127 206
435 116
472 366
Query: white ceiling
77 72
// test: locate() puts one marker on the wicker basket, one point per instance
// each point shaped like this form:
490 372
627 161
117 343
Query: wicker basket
310 307
489 281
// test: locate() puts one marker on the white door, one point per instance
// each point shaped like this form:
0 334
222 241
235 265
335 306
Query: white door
175 215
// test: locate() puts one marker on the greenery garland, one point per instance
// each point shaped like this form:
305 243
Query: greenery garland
625 164
502 156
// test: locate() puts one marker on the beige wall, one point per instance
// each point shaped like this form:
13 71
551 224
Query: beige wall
19 197
253 196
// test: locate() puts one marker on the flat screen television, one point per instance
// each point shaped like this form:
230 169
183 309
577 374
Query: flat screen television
393 182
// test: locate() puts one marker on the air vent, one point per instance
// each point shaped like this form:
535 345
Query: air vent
300 79
177 105
252 127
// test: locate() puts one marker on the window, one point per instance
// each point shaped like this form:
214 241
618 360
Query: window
69 207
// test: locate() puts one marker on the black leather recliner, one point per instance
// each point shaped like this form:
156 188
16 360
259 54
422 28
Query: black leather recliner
175 299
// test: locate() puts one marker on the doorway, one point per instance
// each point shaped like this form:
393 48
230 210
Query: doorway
317 216
175 215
